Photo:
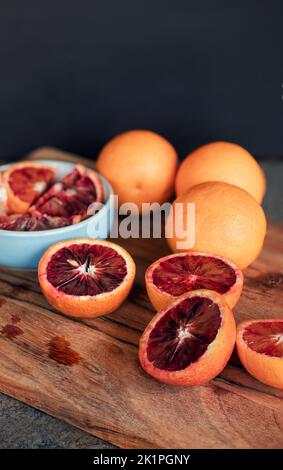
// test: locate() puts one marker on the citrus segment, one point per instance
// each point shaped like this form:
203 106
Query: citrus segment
72 195
65 203
32 222
27 183
24 182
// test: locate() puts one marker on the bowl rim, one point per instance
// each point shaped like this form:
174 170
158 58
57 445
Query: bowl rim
37 233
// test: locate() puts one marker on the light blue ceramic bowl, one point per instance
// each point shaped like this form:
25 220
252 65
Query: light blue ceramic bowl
23 250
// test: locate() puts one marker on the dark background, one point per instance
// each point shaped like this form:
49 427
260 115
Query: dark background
75 73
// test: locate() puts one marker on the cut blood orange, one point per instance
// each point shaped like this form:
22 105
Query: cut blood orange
191 341
3 197
25 182
65 203
173 275
260 348
72 195
86 277
33 222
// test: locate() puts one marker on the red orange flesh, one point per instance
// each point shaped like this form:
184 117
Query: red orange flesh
86 277
191 341
173 275
71 196
3 197
260 348
24 182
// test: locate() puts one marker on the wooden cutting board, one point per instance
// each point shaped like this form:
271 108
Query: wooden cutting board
95 383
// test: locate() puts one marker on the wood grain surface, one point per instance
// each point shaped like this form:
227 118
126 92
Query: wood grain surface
94 380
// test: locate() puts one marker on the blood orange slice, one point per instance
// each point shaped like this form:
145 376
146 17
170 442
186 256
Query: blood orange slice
173 275
3 197
33 222
86 277
191 341
260 348
25 182
72 195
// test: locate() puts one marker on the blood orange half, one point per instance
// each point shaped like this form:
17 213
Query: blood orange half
86 277
72 195
260 348
189 342
25 182
173 275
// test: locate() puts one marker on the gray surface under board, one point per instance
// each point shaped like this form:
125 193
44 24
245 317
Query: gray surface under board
24 427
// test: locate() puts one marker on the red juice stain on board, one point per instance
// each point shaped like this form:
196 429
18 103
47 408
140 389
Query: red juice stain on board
60 351
11 331
15 319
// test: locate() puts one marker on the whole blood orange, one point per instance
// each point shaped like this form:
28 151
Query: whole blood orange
191 341
222 161
25 182
140 165
260 348
174 275
86 277
228 223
